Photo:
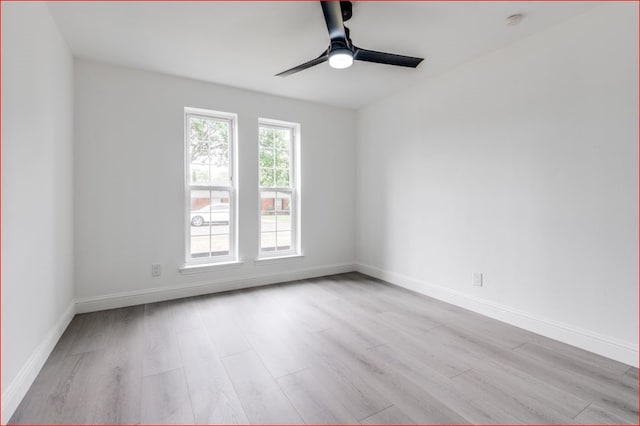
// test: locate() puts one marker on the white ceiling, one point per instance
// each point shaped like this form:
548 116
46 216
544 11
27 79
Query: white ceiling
244 44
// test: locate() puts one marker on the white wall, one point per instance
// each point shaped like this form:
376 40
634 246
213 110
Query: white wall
522 165
129 184
37 193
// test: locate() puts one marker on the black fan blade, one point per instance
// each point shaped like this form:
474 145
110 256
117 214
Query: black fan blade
320 59
386 58
333 18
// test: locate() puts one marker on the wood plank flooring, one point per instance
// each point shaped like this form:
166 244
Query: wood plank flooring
339 349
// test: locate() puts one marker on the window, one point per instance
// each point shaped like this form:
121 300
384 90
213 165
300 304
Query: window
210 188
278 181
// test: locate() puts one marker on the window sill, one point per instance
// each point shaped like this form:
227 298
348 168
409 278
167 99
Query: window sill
278 259
208 267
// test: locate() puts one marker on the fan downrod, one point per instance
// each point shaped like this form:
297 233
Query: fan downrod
347 10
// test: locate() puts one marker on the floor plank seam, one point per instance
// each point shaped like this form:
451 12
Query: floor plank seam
282 376
368 348
184 374
235 389
460 374
236 353
144 376
374 414
290 403
519 346
582 411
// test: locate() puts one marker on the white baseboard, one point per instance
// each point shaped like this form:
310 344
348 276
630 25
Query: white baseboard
119 300
585 339
19 386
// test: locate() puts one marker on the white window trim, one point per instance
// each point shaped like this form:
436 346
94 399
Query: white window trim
279 259
208 267
232 257
296 225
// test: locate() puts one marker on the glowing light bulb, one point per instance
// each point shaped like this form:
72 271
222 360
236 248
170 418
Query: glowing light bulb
342 58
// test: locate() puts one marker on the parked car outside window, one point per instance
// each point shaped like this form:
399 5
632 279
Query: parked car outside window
217 214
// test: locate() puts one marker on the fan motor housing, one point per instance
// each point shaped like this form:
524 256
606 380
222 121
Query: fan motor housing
340 45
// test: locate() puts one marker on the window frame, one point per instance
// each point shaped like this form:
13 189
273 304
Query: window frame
232 119
295 248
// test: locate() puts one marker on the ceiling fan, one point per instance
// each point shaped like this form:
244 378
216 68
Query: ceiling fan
341 51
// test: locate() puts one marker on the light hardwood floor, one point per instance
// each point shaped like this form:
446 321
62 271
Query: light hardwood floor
338 349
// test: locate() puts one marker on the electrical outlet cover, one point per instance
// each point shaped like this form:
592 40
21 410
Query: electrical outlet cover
156 270
477 279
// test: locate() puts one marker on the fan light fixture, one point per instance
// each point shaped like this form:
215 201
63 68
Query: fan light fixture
341 58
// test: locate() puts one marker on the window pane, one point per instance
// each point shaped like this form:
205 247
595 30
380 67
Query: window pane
283 220
282 178
209 146
210 222
267 201
283 201
220 176
266 177
268 223
274 156
219 245
275 220
268 241
282 159
199 173
284 240
200 245
266 138
267 158
282 138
